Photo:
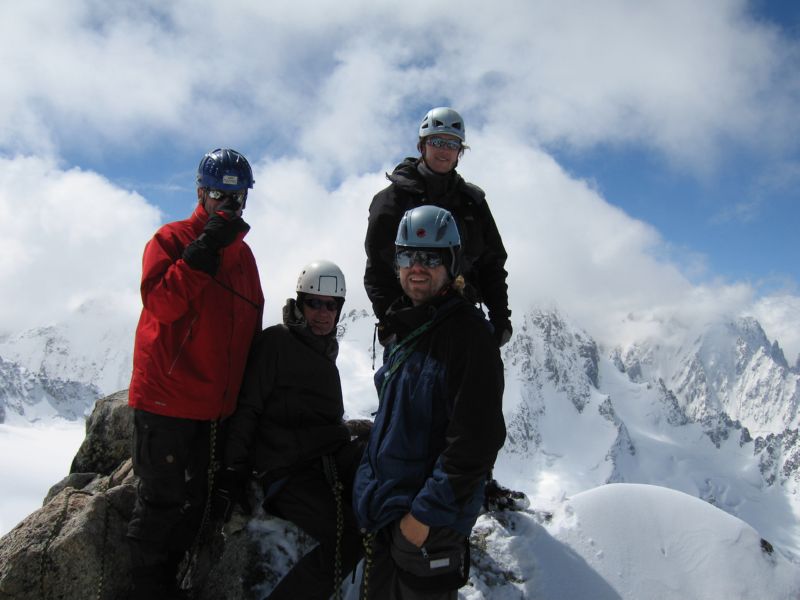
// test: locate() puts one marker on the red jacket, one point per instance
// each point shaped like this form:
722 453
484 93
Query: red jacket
194 332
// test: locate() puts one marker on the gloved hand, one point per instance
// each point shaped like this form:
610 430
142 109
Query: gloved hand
221 229
230 490
199 255
502 331
224 226
359 428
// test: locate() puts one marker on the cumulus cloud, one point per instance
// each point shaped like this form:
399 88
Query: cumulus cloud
683 78
779 315
325 98
70 236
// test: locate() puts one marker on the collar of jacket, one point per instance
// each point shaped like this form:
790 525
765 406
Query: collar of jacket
404 317
199 219
295 322
413 176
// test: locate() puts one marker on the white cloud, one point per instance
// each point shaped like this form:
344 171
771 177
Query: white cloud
329 97
69 236
779 315
681 77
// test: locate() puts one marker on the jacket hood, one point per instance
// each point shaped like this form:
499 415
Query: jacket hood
295 322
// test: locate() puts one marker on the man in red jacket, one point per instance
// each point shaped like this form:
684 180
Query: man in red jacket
202 305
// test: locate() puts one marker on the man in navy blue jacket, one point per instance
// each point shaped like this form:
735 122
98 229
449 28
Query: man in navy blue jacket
420 486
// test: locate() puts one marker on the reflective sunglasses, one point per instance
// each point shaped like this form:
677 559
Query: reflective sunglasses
317 304
238 197
438 142
427 258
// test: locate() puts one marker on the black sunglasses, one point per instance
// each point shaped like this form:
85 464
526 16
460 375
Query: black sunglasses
427 258
317 304
238 197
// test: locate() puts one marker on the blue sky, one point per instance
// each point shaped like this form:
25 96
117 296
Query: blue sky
641 158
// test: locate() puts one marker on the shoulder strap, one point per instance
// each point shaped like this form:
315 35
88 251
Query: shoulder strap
406 346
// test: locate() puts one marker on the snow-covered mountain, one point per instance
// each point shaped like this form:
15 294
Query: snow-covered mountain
715 417
60 370
730 368
579 416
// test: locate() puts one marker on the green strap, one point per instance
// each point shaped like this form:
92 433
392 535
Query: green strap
404 348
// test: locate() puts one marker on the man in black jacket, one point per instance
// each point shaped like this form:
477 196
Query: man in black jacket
438 428
431 178
288 432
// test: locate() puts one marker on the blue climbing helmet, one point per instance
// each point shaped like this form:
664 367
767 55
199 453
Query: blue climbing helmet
224 169
430 228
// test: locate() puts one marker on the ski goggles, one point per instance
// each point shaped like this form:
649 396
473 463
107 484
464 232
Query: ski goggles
427 258
238 197
317 304
439 142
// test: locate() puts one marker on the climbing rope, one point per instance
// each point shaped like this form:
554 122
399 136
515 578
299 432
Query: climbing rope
211 476
59 525
331 474
367 540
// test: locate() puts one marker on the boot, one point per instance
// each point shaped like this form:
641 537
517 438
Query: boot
497 497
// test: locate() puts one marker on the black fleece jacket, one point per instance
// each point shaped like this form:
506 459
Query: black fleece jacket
290 406
483 255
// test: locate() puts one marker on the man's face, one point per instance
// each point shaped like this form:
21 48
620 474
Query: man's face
211 204
438 156
421 283
320 313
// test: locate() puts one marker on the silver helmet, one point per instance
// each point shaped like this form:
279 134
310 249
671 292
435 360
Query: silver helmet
443 120
430 227
322 278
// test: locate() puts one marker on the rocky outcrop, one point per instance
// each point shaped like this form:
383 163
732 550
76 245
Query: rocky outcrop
74 547
109 435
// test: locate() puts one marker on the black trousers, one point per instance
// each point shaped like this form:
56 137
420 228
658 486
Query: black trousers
307 500
171 457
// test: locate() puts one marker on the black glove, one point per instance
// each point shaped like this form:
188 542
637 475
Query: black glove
230 490
220 231
359 428
199 255
224 226
502 331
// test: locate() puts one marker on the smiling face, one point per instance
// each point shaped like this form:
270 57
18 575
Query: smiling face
422 283
320 314
441 159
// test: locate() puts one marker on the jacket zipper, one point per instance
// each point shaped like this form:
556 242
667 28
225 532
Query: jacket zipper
183 343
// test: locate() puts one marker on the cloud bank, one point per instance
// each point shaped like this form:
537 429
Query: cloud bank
325 98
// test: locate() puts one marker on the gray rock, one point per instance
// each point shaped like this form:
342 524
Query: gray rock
109 434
